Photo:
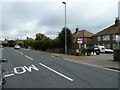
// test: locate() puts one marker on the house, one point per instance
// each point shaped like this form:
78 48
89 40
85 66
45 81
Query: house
5 41
29 38
108 36
84 34
1 42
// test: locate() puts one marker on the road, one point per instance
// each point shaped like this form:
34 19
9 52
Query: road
30 69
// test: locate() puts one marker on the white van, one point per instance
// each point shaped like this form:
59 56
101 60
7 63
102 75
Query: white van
104 50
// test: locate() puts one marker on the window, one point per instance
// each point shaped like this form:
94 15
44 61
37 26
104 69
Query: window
114 46
99 38
118 38
106 37
114 36
107 46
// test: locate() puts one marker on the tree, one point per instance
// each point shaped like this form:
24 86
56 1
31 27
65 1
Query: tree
41 42
40 36
11 43
68 36
55 43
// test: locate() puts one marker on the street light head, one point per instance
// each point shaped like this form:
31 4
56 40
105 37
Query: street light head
64 2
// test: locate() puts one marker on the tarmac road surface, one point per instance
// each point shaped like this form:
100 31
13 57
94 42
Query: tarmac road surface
30 69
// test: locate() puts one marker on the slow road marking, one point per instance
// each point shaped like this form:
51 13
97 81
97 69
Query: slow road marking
66 77
8 75
21 70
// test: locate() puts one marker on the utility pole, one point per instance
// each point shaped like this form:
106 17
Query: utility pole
65 30
83 39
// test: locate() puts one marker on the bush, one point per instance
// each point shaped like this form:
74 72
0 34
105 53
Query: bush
11 43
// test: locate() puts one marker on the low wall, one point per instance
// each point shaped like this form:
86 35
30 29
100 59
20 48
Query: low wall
54 50
117 55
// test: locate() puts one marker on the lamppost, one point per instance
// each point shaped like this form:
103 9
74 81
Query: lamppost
65 30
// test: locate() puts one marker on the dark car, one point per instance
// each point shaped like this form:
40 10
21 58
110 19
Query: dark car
93 49
2 80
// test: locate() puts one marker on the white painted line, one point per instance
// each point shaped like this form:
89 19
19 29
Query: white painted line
16 50
28 57
56 72
8 75
21 53
55 57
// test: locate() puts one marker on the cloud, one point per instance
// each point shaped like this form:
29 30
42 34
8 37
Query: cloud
48 17
119 9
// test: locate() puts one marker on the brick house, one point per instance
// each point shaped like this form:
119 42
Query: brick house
86 35
107 37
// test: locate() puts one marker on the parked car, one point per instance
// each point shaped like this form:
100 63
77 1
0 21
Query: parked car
1 46
2 79
93 49
105 50
16 47
108 51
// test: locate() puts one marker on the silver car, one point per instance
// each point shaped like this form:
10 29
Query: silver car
16 47
1 46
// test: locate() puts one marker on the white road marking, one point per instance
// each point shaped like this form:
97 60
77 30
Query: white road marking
56 57
28 57
66 77
16 50
8 75
19 72
21 53
31 67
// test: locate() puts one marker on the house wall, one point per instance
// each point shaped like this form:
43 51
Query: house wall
110 42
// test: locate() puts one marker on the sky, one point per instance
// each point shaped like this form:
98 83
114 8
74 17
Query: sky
25 18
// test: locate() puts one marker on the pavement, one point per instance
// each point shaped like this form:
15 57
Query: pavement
101 61
37 69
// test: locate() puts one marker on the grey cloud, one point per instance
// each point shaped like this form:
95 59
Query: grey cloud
48 18
119 9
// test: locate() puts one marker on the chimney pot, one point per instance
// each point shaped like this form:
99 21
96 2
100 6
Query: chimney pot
117 21
77 29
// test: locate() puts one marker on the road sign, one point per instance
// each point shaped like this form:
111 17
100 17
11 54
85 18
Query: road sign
79 40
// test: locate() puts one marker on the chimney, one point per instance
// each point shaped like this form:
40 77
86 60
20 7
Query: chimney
77 29
117 22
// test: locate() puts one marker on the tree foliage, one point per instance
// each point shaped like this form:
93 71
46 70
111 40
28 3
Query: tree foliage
40 36
41 42
11 43
68 36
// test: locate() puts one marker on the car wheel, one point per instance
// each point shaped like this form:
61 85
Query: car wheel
111 53
97 52
106 52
